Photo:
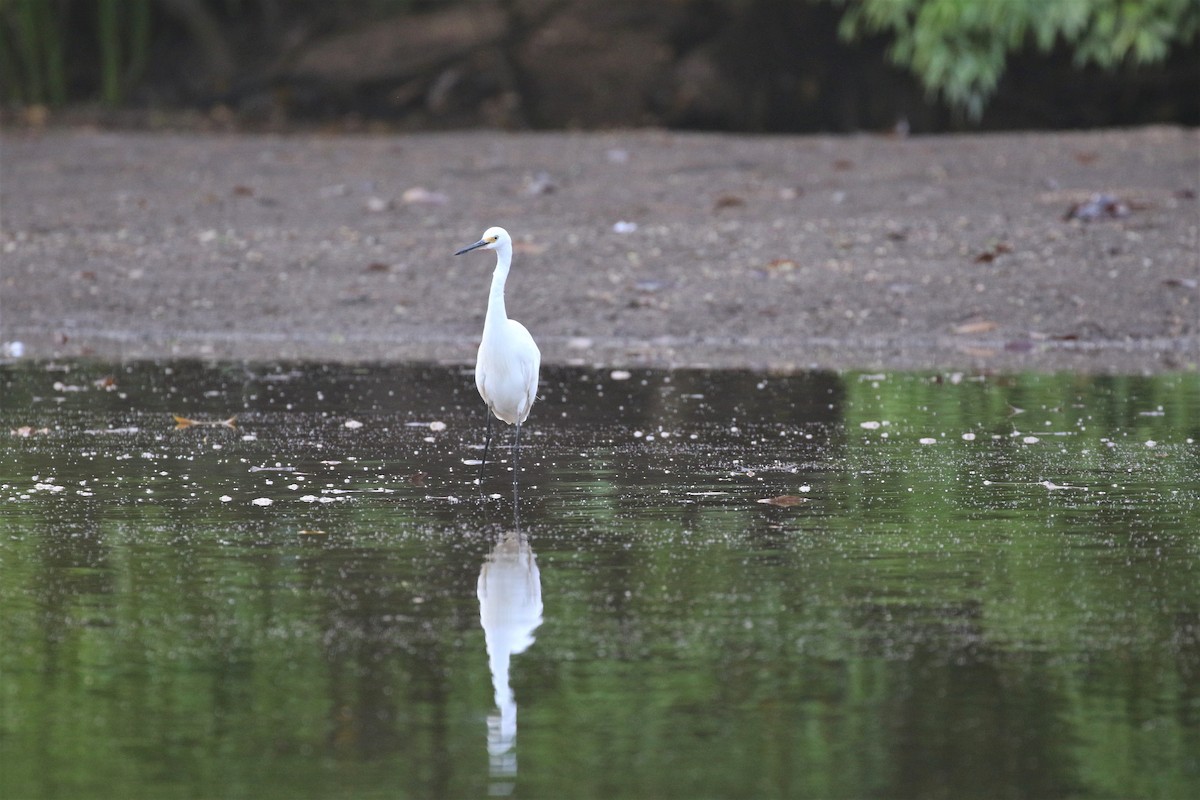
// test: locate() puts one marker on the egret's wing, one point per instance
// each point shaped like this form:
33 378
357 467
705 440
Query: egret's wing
530 362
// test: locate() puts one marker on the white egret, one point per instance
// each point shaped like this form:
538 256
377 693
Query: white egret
506 368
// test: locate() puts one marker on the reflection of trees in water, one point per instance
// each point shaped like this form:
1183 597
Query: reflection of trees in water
937 637
389 630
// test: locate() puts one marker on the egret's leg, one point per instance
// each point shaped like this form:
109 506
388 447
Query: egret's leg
516 451
487 441
516 508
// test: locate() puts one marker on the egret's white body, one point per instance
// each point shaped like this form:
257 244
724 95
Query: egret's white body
507 365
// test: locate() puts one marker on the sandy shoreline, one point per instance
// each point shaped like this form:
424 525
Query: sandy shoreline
949 252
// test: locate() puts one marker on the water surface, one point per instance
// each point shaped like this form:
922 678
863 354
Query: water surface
964 586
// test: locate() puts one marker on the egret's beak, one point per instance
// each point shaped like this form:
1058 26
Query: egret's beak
471 247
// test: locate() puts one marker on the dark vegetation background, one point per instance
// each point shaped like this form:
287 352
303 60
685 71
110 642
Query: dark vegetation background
730 65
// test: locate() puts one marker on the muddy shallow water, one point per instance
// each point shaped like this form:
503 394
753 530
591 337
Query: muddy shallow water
713 584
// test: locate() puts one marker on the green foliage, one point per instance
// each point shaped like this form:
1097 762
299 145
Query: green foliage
32 58
959 48
52 51
43 42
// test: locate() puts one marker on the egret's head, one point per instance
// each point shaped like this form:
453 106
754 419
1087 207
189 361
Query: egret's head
492 239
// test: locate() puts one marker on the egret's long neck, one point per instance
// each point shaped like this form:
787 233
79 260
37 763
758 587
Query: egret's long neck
496 312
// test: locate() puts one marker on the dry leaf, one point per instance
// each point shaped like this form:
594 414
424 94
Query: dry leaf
728 201
784 500
419 194
982 326
1182 283
35 115
184 422
992 252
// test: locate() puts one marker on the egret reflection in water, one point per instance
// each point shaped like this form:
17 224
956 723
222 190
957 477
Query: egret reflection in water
510 610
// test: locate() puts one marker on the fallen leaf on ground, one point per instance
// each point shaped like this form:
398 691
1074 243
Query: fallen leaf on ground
728 201
419 194
35 115
184 422
529 248
784 500
992 252
981 326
